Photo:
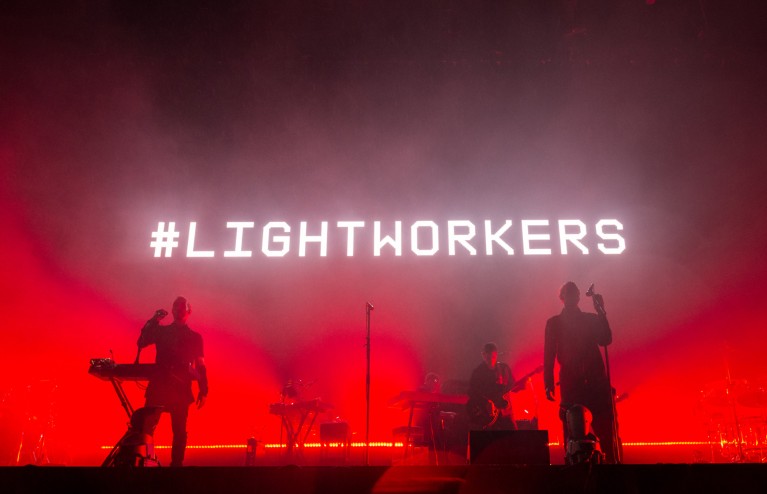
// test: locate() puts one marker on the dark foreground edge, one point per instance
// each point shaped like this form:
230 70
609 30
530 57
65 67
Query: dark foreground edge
488 479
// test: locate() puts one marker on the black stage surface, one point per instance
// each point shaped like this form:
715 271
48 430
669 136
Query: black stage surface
656 479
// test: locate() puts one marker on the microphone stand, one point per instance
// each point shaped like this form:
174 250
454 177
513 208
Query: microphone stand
617 450
368 308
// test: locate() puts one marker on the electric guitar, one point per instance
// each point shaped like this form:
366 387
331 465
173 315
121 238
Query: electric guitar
484 412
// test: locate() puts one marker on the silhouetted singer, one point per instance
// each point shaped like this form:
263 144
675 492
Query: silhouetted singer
179 359
573 338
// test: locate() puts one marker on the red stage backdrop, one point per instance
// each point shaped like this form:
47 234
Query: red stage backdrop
440 116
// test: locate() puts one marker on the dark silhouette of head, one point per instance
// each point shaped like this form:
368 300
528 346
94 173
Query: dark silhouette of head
569 294
181 310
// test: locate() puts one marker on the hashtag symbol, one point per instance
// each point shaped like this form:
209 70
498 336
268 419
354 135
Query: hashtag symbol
164 239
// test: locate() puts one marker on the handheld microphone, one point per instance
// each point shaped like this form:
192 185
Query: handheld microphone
369 305
590 291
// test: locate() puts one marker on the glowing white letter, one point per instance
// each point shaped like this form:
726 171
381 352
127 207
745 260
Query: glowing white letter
611 236
575 238
379 242
190 252
491 237
350 226
434 238
282 239
322 238
453 238
527 237
240 226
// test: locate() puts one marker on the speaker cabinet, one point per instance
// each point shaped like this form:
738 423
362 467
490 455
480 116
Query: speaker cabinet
509 448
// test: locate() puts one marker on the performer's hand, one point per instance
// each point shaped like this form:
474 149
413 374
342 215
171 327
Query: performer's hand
201 398
550 394
599 303
159 314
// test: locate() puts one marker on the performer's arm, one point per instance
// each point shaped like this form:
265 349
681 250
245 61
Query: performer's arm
202 373
549 354
148 332
604 333
202 381
148 335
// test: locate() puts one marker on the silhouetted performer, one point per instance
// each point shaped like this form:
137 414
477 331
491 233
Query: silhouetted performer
489 405
573 339
179 358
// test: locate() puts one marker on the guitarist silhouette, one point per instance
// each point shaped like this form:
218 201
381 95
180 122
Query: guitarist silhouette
491 382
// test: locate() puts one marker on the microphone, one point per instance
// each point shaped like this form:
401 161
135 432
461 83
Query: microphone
590 291
598 302
160 313
369 305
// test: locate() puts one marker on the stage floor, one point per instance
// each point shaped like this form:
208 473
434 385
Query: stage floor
651 479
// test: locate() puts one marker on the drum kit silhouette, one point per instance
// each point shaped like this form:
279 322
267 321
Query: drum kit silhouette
28 416
736 412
